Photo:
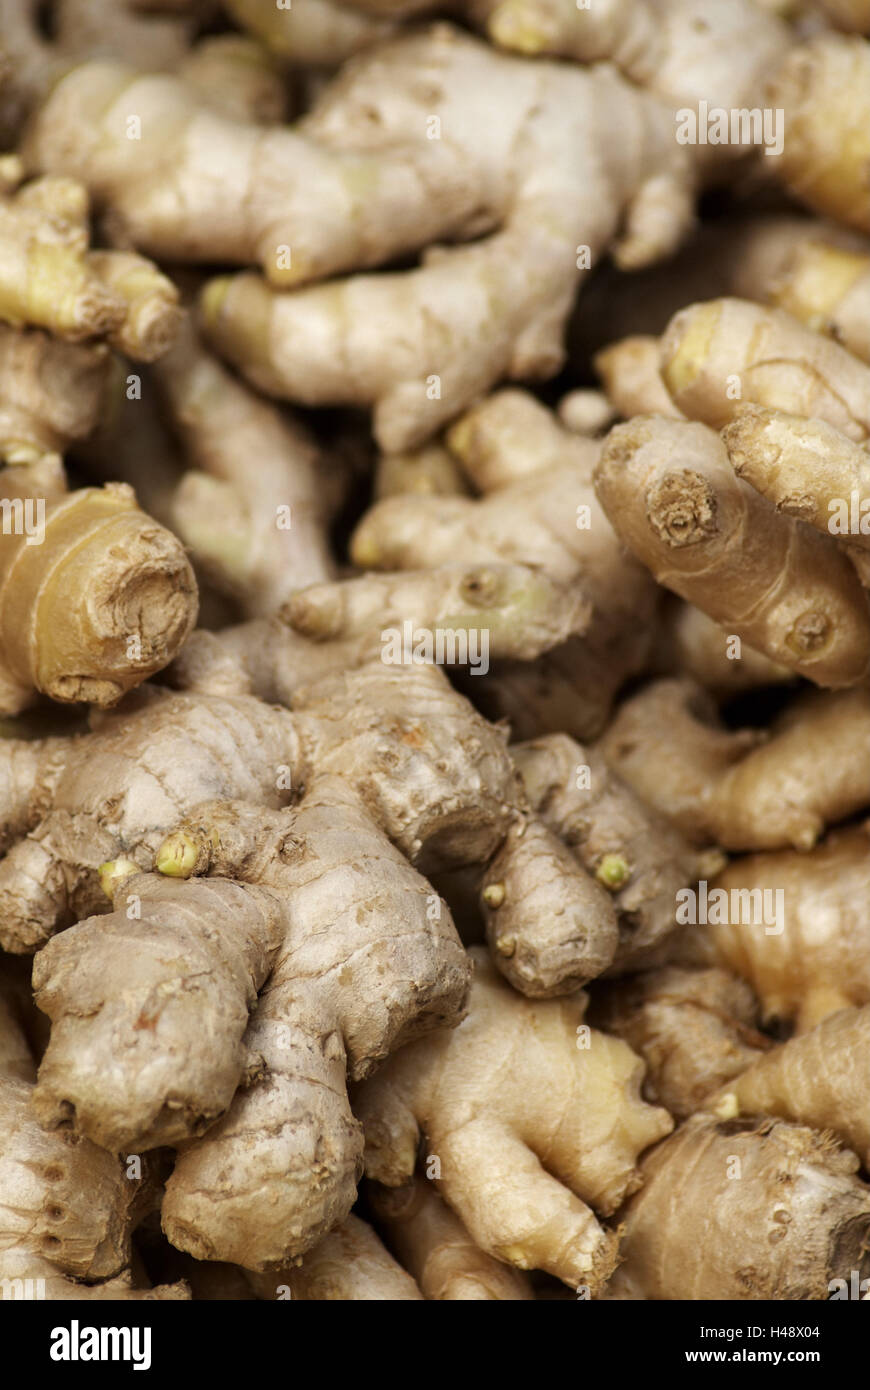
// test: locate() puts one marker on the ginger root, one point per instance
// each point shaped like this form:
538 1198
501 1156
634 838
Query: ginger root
696 1030
515 1087
364 149
795 926
434 1246
95 597
50 279
67 1207
348 1265
818 1078
744 789
791 1193
538 508
636 855
670 492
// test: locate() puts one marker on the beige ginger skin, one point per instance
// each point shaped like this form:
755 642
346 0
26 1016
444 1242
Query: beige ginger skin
671 494
792 1186
524 1165
391 978
743 789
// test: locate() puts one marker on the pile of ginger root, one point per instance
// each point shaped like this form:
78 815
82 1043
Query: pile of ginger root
434 650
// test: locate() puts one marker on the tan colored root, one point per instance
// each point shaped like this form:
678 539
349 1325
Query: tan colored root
670 492
823 88
239 77
316 32
818 1079
827 287
517 610
114 793
483 1096
727 352
634 854
49 278
782 1211
332 1009
95 597
67 1208
539 508
795 926
806 468
249 505
740 789
350 1265
631 376
435 1248
695 1029
551 928
692 646
50 394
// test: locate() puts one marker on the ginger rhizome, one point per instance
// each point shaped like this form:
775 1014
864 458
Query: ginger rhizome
818 1078
67 1208
795 925
249 505
71 805
367 182
348 1265
744 789
535 1122
50 394
694 1029
94 596
242 884
670 491
782 1210
631 852
434 1246
441 786
390 969
50 279
583 880
538 507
